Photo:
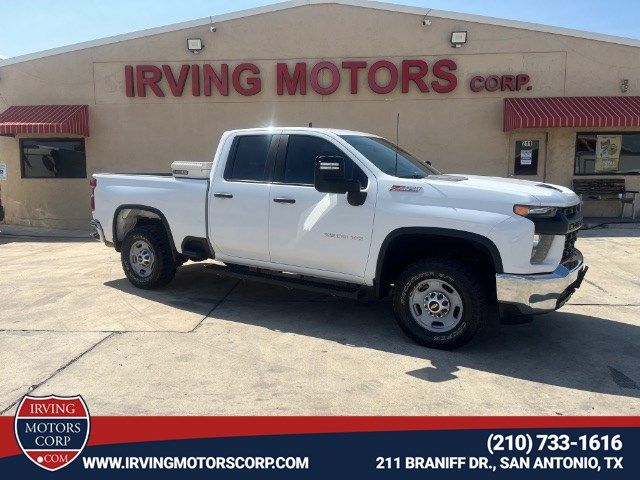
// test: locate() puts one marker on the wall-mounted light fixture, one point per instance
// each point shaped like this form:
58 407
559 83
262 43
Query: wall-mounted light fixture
194 45
426 21
458 39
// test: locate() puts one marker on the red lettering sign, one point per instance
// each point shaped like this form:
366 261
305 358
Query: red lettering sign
293 83
353 67
333 84
373 80
417 77
323 77
221 81
493 83
148 76
253 83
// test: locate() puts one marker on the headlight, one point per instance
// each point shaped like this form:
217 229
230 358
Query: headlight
531 211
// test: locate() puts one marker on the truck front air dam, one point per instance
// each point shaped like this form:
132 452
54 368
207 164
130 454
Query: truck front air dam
541 293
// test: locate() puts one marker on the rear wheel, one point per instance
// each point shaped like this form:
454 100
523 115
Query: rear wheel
440 302
147 259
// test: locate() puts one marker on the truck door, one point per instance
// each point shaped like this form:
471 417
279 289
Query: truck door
312 229
239 199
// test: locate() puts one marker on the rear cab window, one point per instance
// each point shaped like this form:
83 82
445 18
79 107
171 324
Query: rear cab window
248 158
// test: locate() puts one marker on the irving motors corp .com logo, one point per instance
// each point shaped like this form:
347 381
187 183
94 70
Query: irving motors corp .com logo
53 430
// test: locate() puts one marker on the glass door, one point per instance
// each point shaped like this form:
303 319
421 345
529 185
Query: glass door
528 157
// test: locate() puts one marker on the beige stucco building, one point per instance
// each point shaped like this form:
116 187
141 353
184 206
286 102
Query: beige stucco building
152 100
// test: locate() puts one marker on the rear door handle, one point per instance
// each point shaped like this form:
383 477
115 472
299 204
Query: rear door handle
223 195
284 200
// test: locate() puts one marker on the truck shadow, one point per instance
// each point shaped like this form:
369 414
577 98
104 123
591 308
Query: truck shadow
571 350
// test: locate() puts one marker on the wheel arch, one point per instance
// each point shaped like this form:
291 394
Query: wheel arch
123 224
441 238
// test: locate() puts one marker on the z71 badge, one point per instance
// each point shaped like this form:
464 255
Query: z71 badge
53 430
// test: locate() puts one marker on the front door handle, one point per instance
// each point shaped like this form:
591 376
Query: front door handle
223 195
284 200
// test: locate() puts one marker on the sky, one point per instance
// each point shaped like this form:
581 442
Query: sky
35 25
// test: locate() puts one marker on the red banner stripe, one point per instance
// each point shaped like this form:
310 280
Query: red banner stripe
112 430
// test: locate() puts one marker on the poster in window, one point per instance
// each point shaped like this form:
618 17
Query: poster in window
608 153
526 158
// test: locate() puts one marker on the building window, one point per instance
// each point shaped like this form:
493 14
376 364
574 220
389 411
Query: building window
250 153
607 153
53 158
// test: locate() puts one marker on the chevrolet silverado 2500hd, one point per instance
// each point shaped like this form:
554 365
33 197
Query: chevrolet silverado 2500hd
351 214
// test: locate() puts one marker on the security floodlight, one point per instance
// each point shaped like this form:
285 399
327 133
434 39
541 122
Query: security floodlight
458 39
194 45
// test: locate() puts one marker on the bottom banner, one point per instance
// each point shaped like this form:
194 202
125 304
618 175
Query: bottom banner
241 447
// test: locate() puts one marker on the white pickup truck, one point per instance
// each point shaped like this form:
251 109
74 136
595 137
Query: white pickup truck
350 214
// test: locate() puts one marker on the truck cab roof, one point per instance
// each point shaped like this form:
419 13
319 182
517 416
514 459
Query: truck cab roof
335 131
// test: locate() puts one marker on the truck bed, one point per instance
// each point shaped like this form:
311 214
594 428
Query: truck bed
180 201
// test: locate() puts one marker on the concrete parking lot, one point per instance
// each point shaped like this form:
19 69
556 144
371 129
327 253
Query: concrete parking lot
70 323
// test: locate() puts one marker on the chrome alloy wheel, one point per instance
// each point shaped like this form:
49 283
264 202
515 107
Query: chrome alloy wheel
141 258
436 305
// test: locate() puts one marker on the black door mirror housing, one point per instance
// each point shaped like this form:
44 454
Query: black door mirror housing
330 177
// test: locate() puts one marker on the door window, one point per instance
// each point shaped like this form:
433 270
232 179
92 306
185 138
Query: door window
299 161
526 157
250 153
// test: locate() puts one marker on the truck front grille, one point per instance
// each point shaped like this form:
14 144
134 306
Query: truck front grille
569 245
570 211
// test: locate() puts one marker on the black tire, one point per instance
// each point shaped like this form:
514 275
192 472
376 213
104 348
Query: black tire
470 287
164 266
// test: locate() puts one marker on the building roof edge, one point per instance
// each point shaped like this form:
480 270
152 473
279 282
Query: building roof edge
392 7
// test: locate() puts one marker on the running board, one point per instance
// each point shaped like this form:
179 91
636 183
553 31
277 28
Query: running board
347 290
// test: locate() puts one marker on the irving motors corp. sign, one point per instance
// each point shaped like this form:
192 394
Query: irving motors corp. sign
323 77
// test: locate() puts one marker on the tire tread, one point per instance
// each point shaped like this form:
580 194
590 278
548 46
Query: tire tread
453 267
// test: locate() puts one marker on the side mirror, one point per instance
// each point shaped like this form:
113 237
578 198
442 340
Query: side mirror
330 176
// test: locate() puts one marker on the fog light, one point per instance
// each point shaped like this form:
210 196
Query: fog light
536 240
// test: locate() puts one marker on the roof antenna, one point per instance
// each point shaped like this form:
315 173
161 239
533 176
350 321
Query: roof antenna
397 143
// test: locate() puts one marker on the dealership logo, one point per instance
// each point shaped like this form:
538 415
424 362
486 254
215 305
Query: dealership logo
382 76
53 430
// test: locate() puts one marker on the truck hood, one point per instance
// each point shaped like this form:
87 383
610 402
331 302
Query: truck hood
510 189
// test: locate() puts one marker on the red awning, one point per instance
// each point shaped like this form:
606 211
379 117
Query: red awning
66 119
571 112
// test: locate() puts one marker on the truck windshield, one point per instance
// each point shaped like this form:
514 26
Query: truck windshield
382 154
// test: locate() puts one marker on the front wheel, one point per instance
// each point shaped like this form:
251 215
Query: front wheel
147 258
440 302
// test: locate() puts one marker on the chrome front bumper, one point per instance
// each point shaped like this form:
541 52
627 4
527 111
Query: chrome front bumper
99 232
540 293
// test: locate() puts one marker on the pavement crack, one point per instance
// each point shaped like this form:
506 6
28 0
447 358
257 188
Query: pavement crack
586 280
58 370
217 304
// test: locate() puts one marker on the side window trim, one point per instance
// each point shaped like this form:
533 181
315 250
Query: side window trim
278 171
268 166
